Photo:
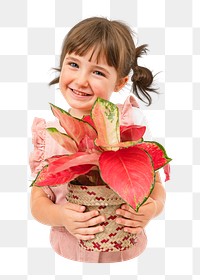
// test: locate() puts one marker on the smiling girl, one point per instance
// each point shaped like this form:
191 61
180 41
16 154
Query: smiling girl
97 58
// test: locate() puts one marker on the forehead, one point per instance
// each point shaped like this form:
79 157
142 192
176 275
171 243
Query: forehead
94 55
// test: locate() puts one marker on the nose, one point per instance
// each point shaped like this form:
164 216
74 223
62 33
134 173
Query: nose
82 79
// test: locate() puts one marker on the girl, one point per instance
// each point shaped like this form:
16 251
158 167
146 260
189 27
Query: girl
97 58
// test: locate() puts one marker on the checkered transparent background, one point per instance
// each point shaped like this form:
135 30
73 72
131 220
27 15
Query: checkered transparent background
31 34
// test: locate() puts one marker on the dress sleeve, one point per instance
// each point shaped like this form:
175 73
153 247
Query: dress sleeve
36 158
140 119
44 146
130 114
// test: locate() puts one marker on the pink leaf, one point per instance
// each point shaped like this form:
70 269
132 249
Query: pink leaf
89 120
63 139
79 158
40 176
157 153
115 147
132 132
86 144
75 128
53 158
129 172
49 179
167 172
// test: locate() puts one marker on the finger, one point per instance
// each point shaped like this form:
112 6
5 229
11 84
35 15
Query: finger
84 237
87 216
90 230
130 209
126 222
75 207
93 221
128 215
125 214
135 231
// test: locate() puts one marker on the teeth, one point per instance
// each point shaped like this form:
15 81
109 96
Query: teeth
80 93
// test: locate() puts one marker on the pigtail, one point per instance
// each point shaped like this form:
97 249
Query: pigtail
142 78
55 80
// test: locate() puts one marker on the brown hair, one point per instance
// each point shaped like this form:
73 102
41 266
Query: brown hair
114 40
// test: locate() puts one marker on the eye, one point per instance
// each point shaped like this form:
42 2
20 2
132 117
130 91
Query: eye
99 73
73 65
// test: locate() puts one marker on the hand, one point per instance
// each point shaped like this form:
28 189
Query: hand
82 225
133 221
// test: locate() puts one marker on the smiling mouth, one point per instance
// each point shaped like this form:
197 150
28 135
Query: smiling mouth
80 93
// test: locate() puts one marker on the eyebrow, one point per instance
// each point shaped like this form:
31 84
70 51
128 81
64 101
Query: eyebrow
95 65
72 58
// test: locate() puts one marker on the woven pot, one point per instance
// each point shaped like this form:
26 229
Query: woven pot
106 201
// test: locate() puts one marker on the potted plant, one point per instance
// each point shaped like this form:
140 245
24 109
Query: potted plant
106 165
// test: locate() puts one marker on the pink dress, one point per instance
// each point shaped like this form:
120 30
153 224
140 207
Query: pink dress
61 240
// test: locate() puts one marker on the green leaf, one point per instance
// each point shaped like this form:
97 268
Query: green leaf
105 116
63 139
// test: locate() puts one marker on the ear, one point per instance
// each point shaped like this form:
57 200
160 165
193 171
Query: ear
121 83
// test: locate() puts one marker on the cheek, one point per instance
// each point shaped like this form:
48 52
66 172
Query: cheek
63 80
103 89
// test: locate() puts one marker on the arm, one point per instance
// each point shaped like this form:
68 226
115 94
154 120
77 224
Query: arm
134 222
83 225
158 195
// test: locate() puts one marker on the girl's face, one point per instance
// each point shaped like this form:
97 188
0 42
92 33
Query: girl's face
83 80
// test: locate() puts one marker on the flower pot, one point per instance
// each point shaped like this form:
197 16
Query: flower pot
106 201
